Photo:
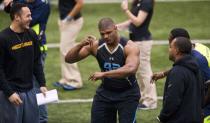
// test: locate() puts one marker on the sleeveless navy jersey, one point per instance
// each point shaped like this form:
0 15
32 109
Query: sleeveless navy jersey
113 60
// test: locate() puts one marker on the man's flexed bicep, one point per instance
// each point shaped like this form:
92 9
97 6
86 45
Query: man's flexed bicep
82 50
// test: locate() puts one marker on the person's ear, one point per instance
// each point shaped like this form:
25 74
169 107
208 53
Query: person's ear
17 18
177 51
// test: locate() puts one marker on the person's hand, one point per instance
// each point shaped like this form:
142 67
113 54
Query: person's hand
119 27
15 99
7 2
158 119
88 41
67 19
124 5
157 76
96 76
43 90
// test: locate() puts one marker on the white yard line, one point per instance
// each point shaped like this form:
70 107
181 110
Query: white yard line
75 101
156 42
85 100
118 1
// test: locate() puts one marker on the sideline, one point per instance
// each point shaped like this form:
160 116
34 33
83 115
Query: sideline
84 100
155 42
55 2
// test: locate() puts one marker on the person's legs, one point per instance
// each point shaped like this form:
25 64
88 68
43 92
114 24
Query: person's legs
43 115
30 107
148 90
70 74
9 113
103 112
127 111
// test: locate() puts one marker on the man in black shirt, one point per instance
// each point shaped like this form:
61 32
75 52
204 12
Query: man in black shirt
20 60
118 60
183 87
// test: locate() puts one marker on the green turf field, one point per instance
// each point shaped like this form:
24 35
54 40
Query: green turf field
192 15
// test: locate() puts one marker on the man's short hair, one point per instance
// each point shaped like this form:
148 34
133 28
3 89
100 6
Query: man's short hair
16 9
105 22
183 45
178 32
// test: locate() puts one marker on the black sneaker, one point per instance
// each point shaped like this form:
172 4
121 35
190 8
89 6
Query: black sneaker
144 107
69 88
58 84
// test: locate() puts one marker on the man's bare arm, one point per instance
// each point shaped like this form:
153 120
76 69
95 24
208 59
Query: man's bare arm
159 75
77 8
81 50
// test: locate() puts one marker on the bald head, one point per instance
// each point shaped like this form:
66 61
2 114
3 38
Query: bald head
105 23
